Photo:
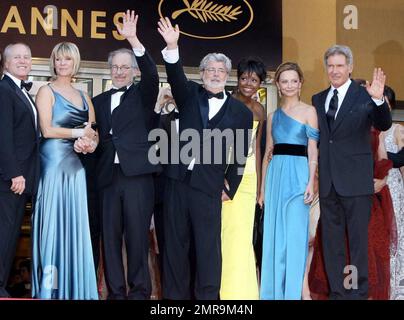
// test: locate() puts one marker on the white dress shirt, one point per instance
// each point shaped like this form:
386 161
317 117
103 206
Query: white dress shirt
18 83
116 97
342 90
215 104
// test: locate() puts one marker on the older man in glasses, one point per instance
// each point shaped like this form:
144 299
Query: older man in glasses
196 187
124 174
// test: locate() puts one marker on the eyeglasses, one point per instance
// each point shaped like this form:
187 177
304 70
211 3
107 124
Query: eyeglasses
115 68
214 70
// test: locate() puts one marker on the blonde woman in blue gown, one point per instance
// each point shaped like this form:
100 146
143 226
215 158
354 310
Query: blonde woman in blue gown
289 167
239 276
62 256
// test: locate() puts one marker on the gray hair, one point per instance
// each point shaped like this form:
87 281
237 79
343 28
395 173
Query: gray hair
339 49
216 57
6 52
123 50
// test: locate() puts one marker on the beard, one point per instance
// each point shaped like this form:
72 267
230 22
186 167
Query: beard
214 84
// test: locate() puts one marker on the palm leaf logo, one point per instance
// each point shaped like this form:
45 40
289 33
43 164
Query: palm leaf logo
208 11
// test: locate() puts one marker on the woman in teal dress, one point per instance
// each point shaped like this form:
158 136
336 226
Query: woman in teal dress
62 256
289 168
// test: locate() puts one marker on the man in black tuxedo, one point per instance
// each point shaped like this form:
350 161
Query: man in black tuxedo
346 112
19 134
196 187
124 174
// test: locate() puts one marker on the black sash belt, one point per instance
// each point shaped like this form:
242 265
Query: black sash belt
290 149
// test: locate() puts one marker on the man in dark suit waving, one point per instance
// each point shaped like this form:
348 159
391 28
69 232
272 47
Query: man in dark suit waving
19 135
124 174
346 112
196 187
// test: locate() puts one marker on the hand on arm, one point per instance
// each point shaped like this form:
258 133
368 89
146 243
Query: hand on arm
85 145
89 141
379 184
225 197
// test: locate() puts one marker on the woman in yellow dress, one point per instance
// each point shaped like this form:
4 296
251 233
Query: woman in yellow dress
239 276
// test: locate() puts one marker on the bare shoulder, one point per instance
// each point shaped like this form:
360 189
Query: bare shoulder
399 130
308 108
259 111
45 93
86 96
310 115
270 116
44 98
45 90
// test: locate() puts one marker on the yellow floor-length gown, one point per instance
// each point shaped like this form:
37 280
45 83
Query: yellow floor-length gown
239 276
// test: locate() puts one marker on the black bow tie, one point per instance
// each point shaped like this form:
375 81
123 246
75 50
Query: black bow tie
219 95
26 85
122 89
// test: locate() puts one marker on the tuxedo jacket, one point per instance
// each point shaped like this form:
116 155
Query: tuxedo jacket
131 123
192 102
345 156
19 138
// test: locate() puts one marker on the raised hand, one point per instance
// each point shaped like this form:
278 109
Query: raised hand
169 33
129 28
376 88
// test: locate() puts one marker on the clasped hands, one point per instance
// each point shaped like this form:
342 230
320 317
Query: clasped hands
88 142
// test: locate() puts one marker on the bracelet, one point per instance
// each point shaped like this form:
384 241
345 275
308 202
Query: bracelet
77 133
93 144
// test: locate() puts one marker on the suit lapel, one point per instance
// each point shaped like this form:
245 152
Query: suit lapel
229 107
346 105
203 107
106 107
122 98
23 98
321 109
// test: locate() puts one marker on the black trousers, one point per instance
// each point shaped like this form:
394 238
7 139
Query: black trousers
192 227
127 209
12 208
94 204
340 216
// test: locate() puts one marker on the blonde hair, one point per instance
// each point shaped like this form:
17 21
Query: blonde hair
65 49
289 66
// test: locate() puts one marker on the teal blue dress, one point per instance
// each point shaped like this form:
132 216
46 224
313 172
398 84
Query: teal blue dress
286 217
62 257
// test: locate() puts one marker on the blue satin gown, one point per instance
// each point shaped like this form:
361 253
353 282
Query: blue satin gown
62 257
286 217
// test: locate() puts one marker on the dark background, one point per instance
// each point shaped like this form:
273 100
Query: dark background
263 38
